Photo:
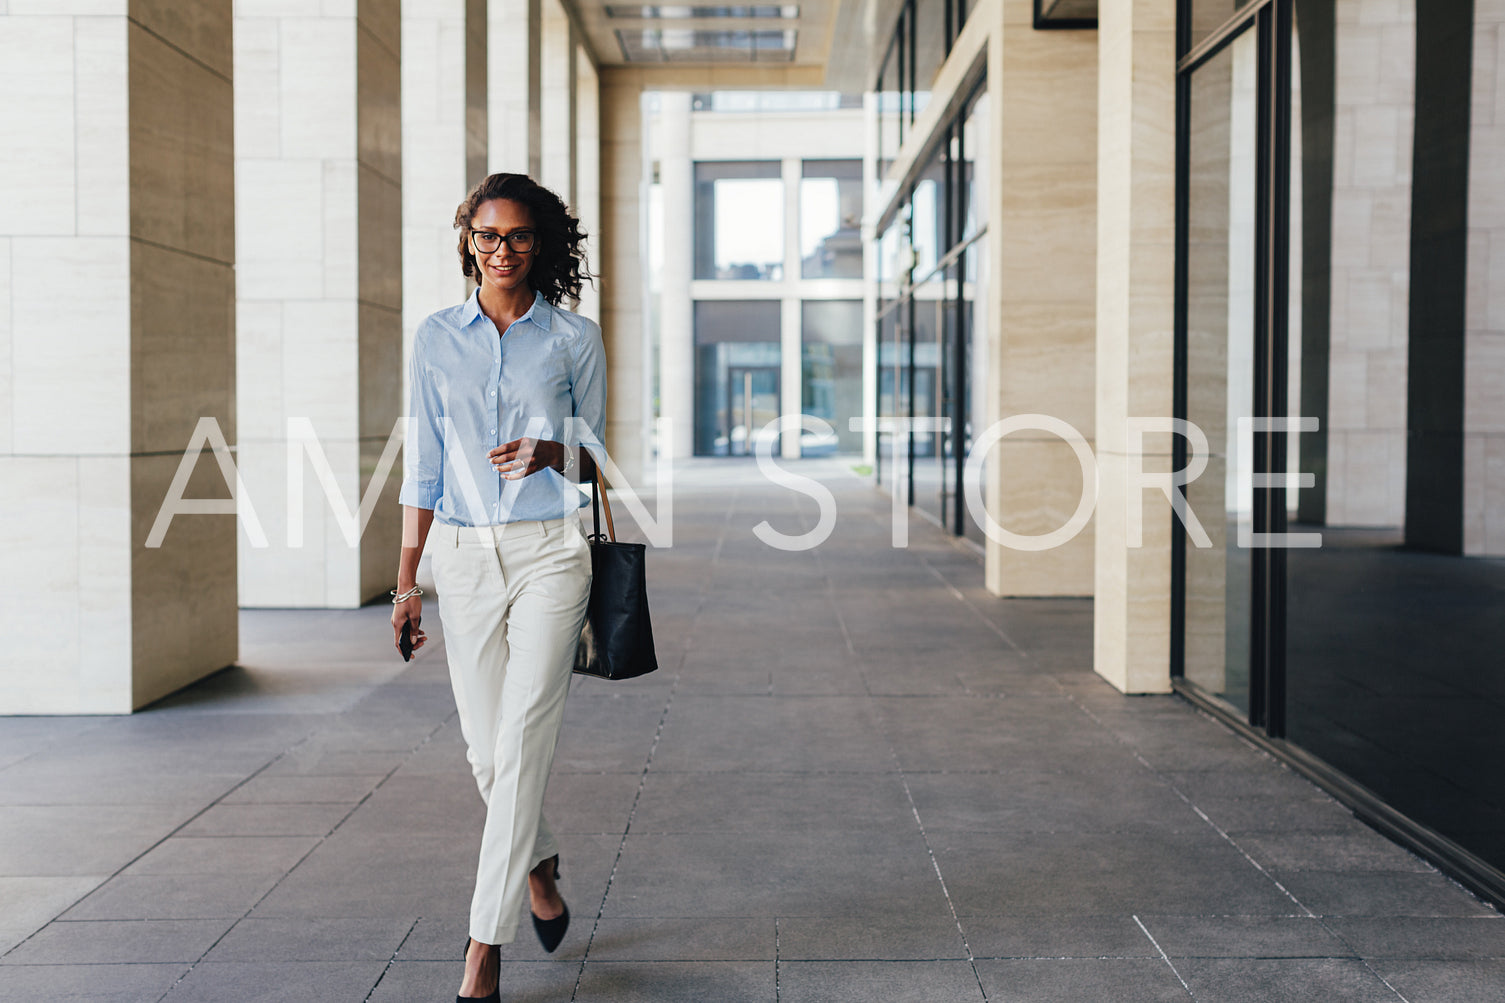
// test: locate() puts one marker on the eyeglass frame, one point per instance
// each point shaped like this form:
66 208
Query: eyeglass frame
504 238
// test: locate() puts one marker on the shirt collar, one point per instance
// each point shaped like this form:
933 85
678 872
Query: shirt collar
540 313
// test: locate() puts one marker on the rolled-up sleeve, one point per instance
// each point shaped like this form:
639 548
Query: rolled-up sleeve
588 388
423 481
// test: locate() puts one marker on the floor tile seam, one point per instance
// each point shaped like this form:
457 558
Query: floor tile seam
1171 784
1166 958
1322 920
392 960
118 871
317 842
88 964
710 571
1070 957
961 597
894 752
1145 915
280 804
936 865
776 958
952 959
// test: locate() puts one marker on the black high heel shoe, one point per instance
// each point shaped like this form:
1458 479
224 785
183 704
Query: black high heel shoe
496 994
551 931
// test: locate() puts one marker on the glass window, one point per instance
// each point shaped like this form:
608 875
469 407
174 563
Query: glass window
1393 637
1207 16
739 220
924 377
890 405
831 219
1220 364
974 381
929 230
737 362
932 42
831 372
973 169
888 110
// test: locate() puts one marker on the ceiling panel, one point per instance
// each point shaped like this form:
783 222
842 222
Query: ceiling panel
780 35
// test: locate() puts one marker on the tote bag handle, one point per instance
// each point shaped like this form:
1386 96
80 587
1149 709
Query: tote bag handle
598 499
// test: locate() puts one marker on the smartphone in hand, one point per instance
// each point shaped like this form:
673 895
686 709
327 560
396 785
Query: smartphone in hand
405 641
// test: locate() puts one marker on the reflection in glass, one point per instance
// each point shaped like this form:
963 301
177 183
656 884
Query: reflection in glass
736 373
1207 16
739 220
931 45
973 171
1393 654
974 289
889 404
831 219
930 326
1220 363
831 372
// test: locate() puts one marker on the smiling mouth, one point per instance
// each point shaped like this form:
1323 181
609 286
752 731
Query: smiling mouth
507 270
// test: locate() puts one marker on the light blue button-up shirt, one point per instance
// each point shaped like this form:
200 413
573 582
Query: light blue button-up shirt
472 391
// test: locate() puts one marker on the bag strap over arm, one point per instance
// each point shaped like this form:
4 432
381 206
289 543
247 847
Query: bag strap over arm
598 499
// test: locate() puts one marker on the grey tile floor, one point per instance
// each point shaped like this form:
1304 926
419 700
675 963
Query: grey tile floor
856 777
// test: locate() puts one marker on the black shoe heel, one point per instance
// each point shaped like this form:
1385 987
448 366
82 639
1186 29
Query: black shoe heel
496 994
551 931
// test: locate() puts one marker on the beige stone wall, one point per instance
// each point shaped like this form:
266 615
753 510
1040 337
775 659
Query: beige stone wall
1484 339
513 86
1135 331
557 134
621 272
588 173
1043 176
438 137
1371 231
116 335
318 194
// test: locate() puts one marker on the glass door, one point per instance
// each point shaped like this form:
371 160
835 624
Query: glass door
752 394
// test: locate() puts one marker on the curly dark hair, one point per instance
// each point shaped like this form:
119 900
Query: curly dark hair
559 263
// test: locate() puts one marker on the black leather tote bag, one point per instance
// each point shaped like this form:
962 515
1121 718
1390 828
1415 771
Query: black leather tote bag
617 639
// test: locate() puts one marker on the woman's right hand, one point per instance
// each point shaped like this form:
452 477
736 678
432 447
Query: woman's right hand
408 611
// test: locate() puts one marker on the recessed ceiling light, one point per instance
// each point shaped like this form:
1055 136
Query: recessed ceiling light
686 45
784 12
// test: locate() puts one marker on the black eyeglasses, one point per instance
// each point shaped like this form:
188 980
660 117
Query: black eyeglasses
488 242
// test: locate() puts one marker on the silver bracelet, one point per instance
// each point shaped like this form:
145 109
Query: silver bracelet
403 597
569 460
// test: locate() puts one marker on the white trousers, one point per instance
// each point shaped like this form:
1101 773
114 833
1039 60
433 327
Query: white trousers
512 599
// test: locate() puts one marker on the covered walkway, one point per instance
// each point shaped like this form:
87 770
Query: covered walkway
856 777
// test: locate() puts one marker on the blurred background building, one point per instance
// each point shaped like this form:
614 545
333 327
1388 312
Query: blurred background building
934 215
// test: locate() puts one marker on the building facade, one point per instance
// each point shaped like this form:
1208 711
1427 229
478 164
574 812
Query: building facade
1192 307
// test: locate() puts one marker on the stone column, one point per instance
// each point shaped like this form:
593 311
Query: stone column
437 143
676 329
1136 217
588 172
117 335
791 316
1042 198
319 246
557 136
621 264
1455 475
514 39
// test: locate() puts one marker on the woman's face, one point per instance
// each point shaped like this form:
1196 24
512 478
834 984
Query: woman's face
505 269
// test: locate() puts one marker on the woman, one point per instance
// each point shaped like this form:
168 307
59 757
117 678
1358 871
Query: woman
499 384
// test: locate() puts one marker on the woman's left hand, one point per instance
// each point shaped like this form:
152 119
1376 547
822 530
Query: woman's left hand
525 456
